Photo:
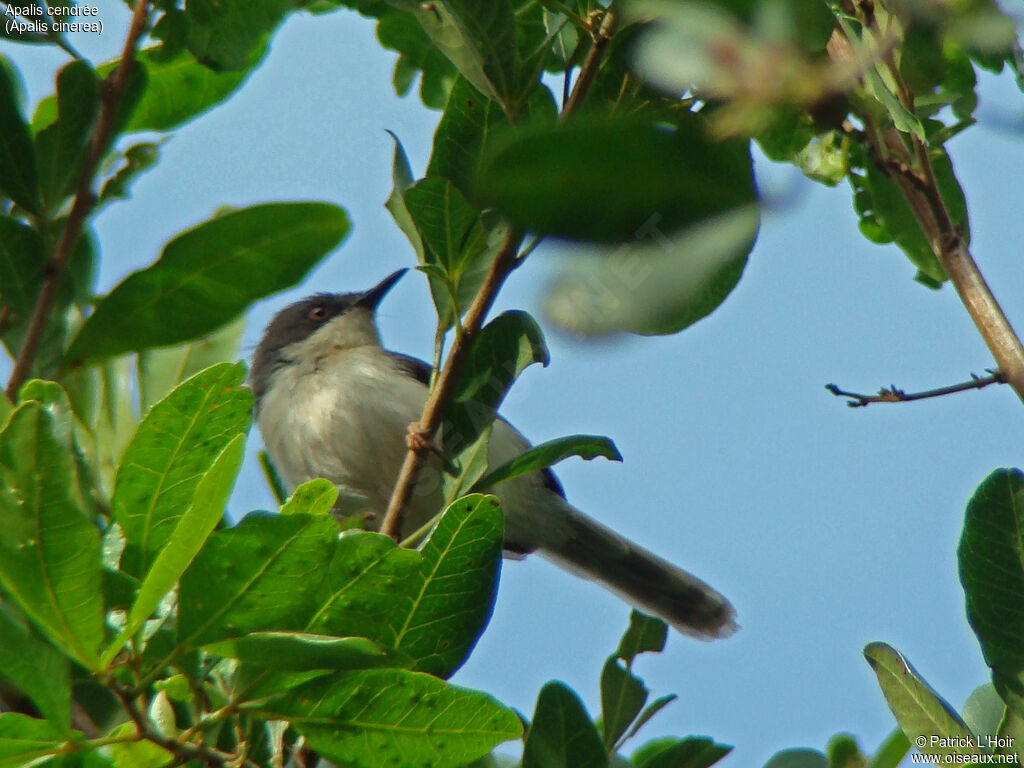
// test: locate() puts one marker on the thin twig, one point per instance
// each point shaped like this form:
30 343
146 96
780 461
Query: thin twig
893 394
82 206
504 263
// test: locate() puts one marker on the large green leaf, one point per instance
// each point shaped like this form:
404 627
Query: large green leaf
175 445
623 696
613 180
692 752
258 576
18 177
991 555
396 718
21 267
561 734
36 668
544 455
49 550
223 34
62 146
430 605
302 651
207 276
656 287
401 32
25 740
502 350
922 714
192 529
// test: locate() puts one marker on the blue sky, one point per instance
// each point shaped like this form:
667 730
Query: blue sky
827 527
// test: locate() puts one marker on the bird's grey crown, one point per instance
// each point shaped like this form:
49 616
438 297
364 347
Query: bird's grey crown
294 323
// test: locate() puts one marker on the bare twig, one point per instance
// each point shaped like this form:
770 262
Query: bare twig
892 394
504 263
82 205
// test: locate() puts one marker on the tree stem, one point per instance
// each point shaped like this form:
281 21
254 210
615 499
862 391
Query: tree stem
82 205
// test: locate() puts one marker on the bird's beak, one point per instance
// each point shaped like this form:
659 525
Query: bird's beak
373 297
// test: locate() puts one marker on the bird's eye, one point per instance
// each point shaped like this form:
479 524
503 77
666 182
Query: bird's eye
318 313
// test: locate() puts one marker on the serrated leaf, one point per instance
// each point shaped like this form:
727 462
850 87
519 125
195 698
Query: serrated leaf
919 710
395 717
196 283
610 180
561 734
49 549
623 696
61 147
37 669
174 446
190 533
657 287
303 651
539 457
18 177
258 576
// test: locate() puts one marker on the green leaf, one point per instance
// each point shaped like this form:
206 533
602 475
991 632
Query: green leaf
161 370
37 669
62 146
258 576
430 605
623 696
918 708
402 179
18 177
650 711
561 734
137 754
175 445
612 180
587 447
225 34
991 556
798 757
394 717
890 752
315 497
659 287
21 268
303 651
137 159
192 529
49 550
196 280
692 752
646 634
843 751
401 32
24 740
502 350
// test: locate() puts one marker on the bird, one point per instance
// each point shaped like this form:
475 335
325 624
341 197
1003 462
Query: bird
331 402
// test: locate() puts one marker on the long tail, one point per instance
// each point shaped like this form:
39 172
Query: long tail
653 585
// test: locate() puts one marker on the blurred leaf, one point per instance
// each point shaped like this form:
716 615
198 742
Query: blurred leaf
658 287
21 268
49 550
587 447
196 280
394 717
175 446
315 497
37 669
650 711
62 146
623 696
891 751
161 370
561 734
402 179
192 529
138 158
844 752
918 708
259 576
991 556
137 754
646 634
798 757
303 651
400 31
691 752
24 740
502 350
18 178
610 180
223 34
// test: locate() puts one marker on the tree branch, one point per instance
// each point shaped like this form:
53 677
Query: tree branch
504 263
82 205
892 394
